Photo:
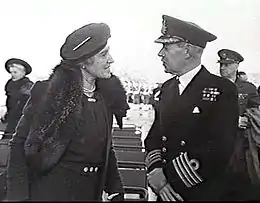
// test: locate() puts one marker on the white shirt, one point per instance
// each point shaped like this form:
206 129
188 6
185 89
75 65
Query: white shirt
187 77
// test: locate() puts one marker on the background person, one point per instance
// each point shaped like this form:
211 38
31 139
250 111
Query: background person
17 90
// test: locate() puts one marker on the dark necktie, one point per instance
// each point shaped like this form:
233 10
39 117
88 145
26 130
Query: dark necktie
176 85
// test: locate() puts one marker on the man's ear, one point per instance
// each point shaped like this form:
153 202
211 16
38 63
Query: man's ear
187 48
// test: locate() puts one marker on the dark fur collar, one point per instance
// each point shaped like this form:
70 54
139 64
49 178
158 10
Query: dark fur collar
62 100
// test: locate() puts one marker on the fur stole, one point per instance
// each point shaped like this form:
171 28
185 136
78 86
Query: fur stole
61 102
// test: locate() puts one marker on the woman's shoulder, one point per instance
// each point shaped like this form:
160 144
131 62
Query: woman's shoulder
39 87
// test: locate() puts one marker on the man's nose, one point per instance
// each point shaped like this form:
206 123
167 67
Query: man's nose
161 53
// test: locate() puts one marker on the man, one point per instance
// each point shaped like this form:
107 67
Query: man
62 148
191 139
248 100
242 76
229 62
17 90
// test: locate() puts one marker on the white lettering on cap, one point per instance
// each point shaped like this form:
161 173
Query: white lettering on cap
80 44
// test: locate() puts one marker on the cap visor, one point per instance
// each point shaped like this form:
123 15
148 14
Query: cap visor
226 61
167 40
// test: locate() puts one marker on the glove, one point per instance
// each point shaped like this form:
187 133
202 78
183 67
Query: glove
243 122
158 182
168 194
116 197
156 179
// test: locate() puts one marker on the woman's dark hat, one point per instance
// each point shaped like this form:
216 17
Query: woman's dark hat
85 41
8 63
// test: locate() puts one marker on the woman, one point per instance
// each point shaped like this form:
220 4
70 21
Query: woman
17 91
62 149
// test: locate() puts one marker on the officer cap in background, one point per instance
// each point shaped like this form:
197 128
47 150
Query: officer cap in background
175 30
85 41
229 56
9 62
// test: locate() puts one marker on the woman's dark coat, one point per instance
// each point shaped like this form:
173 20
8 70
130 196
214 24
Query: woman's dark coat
51 100
17 93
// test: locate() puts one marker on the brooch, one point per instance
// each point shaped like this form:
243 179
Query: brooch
90 99
210 94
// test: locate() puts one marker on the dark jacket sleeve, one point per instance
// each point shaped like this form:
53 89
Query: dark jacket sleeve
113 179
152 141
17 174
152 145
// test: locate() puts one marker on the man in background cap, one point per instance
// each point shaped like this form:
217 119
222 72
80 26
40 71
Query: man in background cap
249 102
62 148
191 139
242 75
229 63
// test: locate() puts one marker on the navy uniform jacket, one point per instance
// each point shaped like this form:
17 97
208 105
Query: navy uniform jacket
193 134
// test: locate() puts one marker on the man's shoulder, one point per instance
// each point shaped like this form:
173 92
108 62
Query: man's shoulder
248 84
223 83
167 83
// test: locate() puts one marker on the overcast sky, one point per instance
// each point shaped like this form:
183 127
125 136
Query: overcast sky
34 30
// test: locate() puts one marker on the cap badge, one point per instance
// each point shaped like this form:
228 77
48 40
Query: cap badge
164 27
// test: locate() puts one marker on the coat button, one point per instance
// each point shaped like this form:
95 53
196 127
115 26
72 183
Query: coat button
183 143
85 169
164 149
164 138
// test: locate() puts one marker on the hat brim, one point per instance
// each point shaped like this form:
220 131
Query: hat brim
225 61
28 68
168 40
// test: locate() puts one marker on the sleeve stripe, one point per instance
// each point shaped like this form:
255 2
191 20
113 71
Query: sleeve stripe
179 173
194 172
155 157
153 151
153 161
152 157
186 171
